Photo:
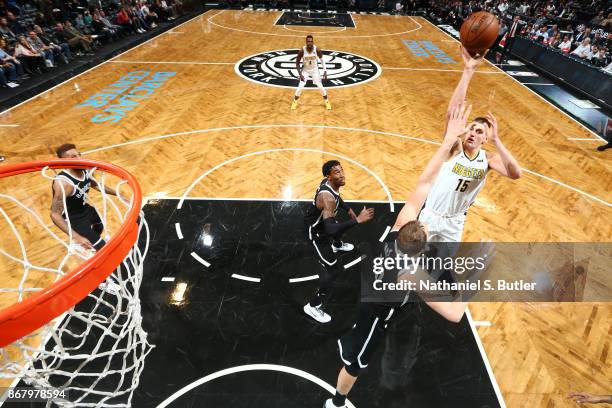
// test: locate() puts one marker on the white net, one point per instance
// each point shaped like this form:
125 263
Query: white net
94 352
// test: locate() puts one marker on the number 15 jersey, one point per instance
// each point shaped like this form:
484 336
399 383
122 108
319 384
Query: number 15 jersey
457 185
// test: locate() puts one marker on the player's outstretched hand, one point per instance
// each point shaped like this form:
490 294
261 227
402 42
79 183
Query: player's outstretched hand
365 215
582 397
469 61
493 122
457 123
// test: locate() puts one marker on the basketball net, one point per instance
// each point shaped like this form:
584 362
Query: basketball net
94 348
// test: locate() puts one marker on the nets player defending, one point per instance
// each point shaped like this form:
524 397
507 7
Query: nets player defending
463 173
77 216
325 233
407 237
310 70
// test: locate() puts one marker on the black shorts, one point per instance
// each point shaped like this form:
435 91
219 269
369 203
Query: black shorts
87 223
358 345
323 248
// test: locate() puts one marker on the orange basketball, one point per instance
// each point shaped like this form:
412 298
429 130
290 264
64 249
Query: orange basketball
479 32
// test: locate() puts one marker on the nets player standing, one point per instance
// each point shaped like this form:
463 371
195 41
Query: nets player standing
464 171
325 233
310 70
77 216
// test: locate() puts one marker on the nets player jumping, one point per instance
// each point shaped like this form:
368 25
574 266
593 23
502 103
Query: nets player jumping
325 233
465 168
77 216
310 70
407 237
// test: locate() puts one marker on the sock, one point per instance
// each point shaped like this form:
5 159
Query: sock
339 399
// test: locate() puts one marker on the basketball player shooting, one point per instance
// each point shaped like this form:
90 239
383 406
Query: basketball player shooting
407 237
77 216
464 171
310 70
325 233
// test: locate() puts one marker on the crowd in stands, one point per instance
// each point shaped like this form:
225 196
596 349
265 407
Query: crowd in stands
580 29
37 35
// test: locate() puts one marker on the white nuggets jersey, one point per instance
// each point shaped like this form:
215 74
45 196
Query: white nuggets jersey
457 185
310 59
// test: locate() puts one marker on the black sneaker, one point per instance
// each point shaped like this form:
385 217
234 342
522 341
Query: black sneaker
604 147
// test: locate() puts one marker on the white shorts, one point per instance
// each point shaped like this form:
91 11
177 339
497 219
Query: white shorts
313 75
442 228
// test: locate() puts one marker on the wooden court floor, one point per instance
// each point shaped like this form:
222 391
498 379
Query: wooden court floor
383 131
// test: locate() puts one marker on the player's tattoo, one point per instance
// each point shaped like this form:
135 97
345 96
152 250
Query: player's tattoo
57 205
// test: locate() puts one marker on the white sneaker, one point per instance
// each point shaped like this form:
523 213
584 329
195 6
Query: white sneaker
345 247
330 404
317 313
12 84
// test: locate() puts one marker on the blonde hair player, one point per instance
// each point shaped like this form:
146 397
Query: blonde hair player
310 70
465 168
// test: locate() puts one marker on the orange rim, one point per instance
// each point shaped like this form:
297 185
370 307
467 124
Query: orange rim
39 309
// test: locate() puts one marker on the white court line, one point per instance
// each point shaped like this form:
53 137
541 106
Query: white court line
569 187
482 323
300 36
191 132
173 62
257 153
526 87
353 262
245 278
174 32
179 233
500 397
148 139
9 125
168 279
280 14
251 367
305 278
582 138
199 259
99 65
535 83
384 235
437 70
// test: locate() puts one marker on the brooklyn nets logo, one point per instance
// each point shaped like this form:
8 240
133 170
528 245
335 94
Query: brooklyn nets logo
277 68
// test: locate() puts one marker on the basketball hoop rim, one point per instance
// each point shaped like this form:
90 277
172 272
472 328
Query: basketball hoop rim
39 309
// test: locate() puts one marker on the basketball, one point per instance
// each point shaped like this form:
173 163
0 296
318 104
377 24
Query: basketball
479 32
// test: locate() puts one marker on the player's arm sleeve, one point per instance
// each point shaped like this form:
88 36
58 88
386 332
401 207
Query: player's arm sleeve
327 204
332 227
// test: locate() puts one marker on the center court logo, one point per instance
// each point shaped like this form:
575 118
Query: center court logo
277 68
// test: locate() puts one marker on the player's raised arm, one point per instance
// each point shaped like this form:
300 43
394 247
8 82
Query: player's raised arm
456 127
459 95
503 161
